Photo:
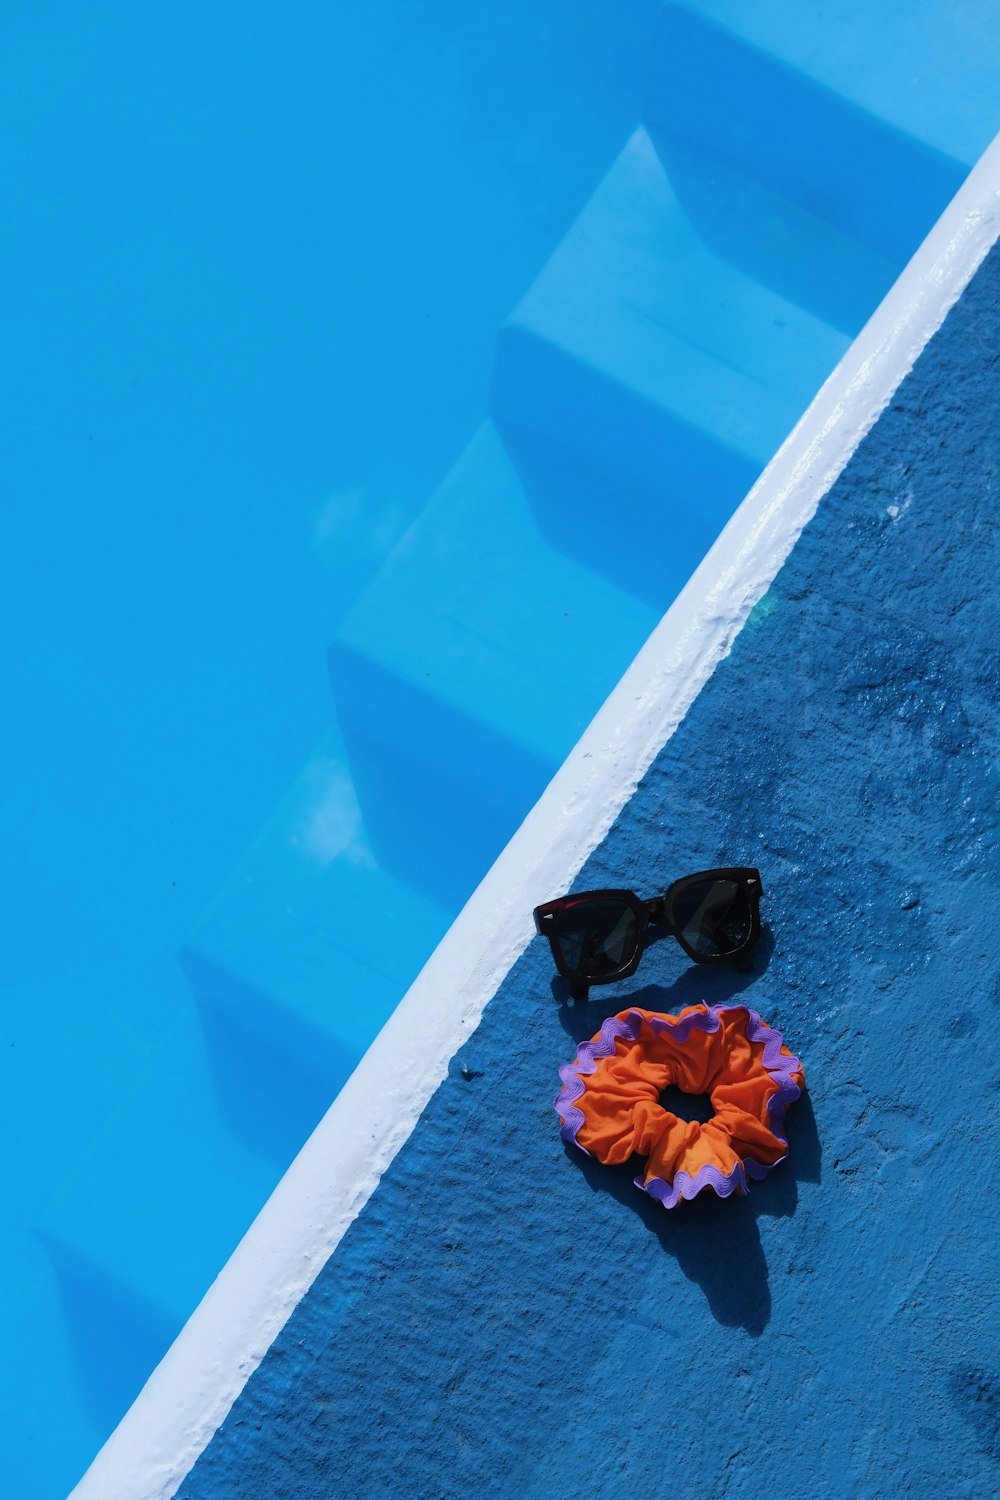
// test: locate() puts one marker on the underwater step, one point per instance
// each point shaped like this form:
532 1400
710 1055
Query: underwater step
933 76
774 241
101 1340
650 354
155 1174
305 952
114 1335
468 717
848 118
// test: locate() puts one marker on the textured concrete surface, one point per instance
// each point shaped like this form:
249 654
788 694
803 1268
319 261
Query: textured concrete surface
506 1318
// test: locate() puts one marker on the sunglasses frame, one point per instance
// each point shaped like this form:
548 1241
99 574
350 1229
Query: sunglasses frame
658 912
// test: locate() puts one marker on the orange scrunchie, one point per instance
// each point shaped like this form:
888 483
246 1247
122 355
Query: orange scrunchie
610 1103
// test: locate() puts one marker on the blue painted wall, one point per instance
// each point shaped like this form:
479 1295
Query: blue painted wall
507 1318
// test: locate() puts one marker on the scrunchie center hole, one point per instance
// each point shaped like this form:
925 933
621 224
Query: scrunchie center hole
687 1106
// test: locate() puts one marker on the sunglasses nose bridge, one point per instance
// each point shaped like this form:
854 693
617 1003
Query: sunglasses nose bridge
656 911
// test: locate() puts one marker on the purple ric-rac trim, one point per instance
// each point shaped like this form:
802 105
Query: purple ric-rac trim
585 1063
684 1185
780 1068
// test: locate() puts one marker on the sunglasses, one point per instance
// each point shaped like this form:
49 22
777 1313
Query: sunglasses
599 936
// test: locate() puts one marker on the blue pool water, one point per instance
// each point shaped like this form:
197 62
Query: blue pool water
375 378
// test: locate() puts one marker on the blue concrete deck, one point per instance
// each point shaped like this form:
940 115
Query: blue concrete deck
505 1318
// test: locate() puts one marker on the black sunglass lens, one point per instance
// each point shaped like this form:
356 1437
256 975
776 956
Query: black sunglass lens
597 938
714 916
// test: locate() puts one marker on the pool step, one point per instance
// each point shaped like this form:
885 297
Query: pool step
897 113
163 1155
314 939
469 717
306 950
837 129
650 345
112 1337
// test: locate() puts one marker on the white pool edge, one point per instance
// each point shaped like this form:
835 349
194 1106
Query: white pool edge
190 1392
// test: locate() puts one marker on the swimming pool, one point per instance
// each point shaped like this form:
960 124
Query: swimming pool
269 444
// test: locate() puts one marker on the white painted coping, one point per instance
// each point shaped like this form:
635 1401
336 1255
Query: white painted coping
190 1392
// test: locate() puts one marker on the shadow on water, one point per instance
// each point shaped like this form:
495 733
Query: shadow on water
715 1241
